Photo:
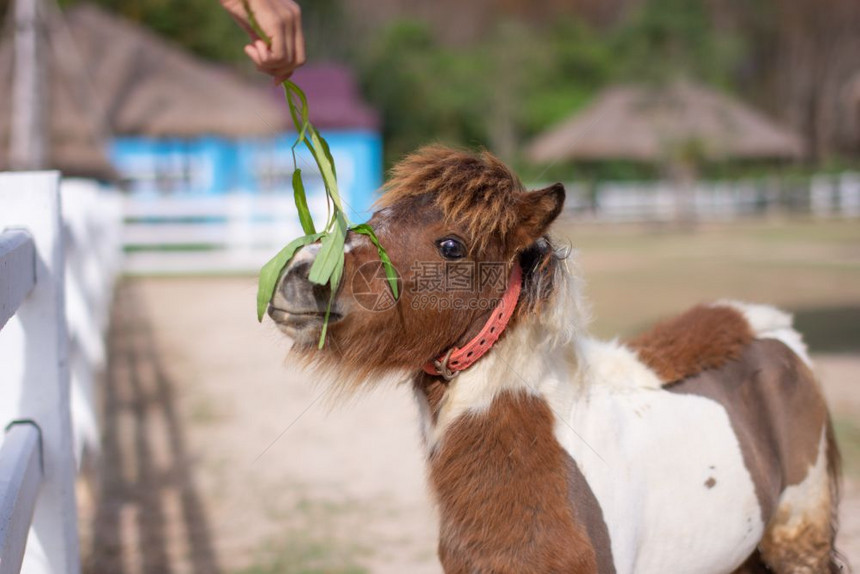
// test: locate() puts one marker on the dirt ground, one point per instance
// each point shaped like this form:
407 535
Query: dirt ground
218 457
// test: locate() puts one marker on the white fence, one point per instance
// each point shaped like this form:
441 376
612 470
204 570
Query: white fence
228 234
822 196
239 233
92 225
52 267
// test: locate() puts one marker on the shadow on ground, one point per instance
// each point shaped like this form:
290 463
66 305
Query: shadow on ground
148 515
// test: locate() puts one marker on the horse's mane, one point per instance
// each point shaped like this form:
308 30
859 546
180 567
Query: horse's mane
473 190
552 292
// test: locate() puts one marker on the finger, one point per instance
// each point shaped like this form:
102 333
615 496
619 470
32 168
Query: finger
262 57
285 52
274 67
273 26
251 52
298 38
262 48
288 32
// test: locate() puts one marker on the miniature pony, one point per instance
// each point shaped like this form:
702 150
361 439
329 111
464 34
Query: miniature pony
701 446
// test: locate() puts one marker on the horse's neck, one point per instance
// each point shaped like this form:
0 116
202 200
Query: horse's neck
518 362
508 493
504 486
563 375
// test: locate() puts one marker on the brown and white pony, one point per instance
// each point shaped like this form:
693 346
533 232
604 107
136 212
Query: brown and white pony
701 446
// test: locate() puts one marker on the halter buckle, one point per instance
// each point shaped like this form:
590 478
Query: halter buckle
442 366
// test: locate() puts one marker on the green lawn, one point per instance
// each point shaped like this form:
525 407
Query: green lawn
638 274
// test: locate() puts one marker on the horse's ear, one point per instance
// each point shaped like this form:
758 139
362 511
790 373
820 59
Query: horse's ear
536 211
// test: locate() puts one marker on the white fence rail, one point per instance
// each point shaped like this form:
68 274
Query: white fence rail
56 275
239 233
21 477
228 234
821 196
18 268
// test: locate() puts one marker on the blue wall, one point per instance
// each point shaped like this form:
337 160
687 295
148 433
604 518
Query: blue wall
209 166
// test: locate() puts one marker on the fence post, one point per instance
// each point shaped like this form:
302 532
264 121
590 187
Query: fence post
37 387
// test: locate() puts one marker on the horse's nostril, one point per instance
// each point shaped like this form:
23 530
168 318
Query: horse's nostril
301 269
297 293
294 277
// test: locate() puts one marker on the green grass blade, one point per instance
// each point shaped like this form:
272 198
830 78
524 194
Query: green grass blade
302 203
271 271
302 124
327 152
334 283
390 271
325 164
255 25
328 265
324 330
331 252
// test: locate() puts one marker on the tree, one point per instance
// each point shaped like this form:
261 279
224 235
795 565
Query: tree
425 92
802 57
201 27
666 39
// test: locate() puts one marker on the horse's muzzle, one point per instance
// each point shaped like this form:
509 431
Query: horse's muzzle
298 306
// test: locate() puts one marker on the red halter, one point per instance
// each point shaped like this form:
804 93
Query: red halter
456 360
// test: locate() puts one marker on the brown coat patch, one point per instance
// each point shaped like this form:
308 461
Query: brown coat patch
702 338
776 410
503 490
587 511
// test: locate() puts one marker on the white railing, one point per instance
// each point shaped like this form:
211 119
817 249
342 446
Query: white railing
56 277
35 386
238 233
226 234
822 196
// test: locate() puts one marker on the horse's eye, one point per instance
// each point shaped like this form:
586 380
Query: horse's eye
451 248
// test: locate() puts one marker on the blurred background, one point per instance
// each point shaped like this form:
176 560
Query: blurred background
709 149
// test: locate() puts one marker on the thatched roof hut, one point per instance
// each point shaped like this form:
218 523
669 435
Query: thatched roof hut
649 124
127 81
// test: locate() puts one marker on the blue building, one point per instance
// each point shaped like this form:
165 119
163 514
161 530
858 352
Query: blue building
171 124
208 164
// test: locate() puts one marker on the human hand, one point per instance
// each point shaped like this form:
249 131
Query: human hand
283 50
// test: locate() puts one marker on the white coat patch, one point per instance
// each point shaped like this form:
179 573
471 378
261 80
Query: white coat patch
667 471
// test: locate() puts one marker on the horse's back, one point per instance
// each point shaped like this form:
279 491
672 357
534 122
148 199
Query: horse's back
751 361
776 411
